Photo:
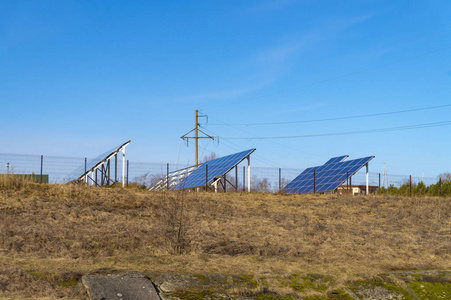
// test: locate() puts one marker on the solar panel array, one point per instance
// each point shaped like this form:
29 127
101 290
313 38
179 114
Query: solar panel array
95 161
213 169
327 177
337 159
174 178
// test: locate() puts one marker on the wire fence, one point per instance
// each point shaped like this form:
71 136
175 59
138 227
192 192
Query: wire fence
263 179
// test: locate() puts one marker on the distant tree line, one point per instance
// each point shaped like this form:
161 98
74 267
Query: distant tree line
441 188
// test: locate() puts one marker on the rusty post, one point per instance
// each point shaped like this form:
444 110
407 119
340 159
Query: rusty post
280 179
347 183
379 181
236 178
42 161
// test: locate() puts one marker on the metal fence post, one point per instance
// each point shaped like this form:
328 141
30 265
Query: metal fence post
244 178
280 180
127 172
42 161
236 178
379 181
347 182
167 176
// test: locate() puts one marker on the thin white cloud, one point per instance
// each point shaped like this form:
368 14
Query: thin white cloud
302 108
270 5
217 95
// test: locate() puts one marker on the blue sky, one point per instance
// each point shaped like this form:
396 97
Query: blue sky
79 77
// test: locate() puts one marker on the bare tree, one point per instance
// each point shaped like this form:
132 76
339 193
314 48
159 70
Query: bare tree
262 185
208 157
446 177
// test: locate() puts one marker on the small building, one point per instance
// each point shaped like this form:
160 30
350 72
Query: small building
357 189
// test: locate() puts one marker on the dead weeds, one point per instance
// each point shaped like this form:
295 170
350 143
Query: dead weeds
58 229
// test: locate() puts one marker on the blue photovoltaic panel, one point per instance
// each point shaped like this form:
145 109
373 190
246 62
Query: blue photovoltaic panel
216 167
327 177
337 159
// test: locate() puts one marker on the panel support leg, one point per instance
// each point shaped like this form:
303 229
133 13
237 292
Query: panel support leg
249 173
123 167
367 184
115 170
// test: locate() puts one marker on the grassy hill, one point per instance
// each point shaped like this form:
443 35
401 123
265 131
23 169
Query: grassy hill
50 235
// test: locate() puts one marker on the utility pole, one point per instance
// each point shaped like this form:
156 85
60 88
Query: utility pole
196 136
196 139
8 166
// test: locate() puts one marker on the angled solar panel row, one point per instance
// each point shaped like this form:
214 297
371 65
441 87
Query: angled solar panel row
174 178
211 170
92 163
327 177
337 159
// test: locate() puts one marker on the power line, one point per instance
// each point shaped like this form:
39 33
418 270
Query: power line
255 135
239 148
338 118
398 128
350 74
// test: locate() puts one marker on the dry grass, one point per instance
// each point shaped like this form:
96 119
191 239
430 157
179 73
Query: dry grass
59 232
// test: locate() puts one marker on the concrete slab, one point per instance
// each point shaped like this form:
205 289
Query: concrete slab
124 286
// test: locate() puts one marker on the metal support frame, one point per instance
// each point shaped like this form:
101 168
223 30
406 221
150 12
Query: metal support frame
99 174
367 181
249 173
223 178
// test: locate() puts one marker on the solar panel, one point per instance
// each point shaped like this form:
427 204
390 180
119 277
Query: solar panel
326 177
337 159
91 164
174 178
216 167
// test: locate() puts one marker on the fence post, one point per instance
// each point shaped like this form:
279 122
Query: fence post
314 182
280 180
379 181
42 161
244 178
127 172
347 182
236 179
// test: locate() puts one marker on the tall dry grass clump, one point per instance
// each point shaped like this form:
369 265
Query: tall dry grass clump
13 182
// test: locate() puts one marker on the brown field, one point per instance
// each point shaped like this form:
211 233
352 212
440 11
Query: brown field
50 235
